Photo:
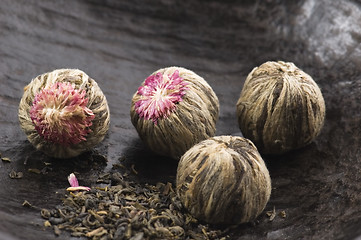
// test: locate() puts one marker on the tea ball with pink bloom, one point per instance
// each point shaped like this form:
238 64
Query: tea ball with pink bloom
64 113
174 109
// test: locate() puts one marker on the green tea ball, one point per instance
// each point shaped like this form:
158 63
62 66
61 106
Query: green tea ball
223 180
64 113
280 108
174 109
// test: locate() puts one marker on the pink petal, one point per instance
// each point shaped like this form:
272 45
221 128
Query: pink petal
75 185
72 180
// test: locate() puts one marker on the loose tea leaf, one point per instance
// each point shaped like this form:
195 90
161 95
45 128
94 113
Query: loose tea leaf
133 169
34 170
128 210
47 223
27 204
6 159
271 214
15 175
282 214
45 213
97 232
57 230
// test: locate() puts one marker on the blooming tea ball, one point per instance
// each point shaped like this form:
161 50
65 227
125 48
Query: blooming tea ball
223 180
64 113
174 109
280 108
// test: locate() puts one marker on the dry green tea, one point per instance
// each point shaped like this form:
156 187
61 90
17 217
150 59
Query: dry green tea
127 210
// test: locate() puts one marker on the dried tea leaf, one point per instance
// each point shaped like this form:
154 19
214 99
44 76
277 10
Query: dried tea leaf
26 160
15 175
6 159
97 232
167 188
282 214
80 188
47 223
34 170
138 236
271 214
130 198
133 169
57 230
77 234
118 166
102 212
27 204
45 213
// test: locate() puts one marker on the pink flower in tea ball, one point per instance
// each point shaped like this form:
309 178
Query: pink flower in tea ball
60 114
64 113
160 94
173 109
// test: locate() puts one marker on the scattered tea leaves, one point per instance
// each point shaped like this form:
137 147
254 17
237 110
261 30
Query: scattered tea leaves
128 210
15 175
272 214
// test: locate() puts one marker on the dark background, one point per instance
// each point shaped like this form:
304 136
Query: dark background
119 43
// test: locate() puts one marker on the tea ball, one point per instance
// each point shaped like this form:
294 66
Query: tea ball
64 113
173 109
280 108
223 180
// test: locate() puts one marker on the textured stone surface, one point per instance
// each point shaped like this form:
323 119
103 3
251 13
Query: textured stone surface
120 43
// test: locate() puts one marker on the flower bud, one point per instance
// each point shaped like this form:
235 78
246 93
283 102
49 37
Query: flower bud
174 109
64 113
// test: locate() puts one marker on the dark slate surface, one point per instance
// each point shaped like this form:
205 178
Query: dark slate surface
119 43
